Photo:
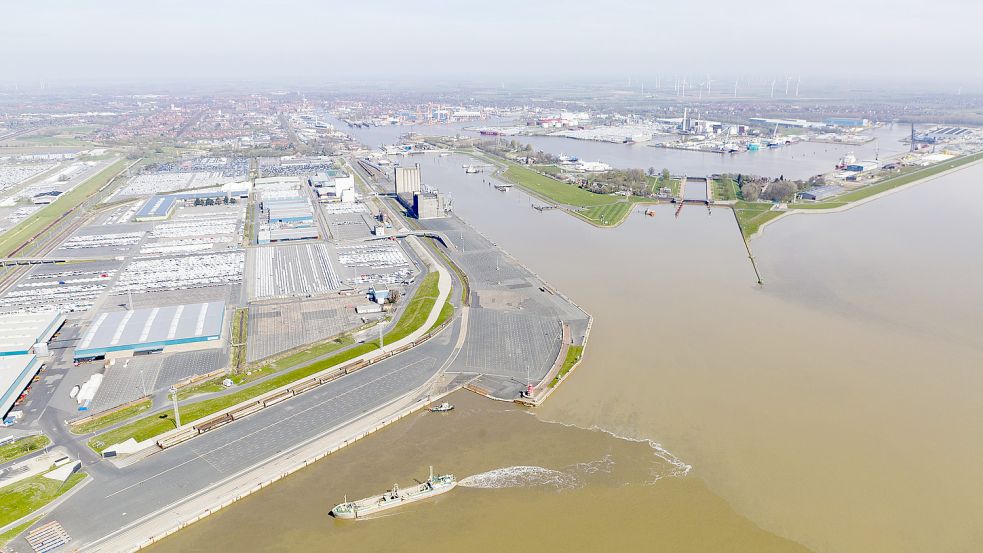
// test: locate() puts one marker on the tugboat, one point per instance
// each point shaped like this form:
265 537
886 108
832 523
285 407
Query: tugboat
442 408
435 485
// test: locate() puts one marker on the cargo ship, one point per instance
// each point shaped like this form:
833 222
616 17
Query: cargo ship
434 486
848 159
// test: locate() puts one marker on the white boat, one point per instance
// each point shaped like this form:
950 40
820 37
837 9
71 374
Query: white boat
396 497
442 408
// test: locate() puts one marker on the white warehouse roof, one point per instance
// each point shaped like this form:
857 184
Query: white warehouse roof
20 331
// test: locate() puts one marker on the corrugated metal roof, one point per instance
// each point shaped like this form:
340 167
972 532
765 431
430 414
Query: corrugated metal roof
132 329
20 331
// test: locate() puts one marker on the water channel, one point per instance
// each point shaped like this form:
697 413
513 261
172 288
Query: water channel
835 408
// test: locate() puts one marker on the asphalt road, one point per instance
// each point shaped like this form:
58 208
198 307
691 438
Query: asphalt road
121 496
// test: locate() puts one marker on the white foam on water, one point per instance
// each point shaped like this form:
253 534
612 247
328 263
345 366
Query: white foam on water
604 464
520 477
678 468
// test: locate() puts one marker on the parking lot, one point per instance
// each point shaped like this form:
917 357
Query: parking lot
178 273
382 262
293 270
68 288
158 183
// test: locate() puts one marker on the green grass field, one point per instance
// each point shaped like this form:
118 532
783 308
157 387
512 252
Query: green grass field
724 189
416 311
239 333
22 498
9 535
548 169
23 232
657 183
751 215
312 352
607 215
446 312
22 447
414 315
550 188
111 419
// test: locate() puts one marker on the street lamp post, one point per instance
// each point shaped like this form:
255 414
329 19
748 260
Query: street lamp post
177 414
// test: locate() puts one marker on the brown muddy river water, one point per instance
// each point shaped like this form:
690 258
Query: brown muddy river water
836 408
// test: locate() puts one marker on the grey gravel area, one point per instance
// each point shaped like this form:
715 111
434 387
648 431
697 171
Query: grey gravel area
282 326
131 378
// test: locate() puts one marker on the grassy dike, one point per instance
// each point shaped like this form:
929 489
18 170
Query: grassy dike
751 215
597 209
9 535
30 227
414 315
110 419
22 498
890 183
22 447
573 355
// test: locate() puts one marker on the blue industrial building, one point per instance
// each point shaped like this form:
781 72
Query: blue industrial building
156 208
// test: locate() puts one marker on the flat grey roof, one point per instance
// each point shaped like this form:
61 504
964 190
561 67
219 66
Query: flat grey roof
157 326
20 331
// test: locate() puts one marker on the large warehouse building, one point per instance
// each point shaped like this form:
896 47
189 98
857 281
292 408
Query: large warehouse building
178 327
23 342
21 332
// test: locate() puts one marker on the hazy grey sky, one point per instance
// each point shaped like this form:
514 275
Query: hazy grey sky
130 40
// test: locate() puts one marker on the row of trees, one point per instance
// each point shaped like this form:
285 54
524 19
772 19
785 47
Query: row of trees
755 189
212 201
512 149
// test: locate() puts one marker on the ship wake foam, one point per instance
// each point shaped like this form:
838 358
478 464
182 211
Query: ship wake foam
520 477
676 467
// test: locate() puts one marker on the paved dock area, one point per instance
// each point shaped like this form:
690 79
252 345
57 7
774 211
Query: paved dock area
132 378
515 323
275 327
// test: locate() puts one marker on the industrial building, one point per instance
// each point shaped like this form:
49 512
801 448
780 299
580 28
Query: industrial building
821 193
161 207
45 198
286 234
787 123
156 208
334 186
846 122
24 333
16 372
408 180
153 330
23 342
429 205
941 134
289 210
862 166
